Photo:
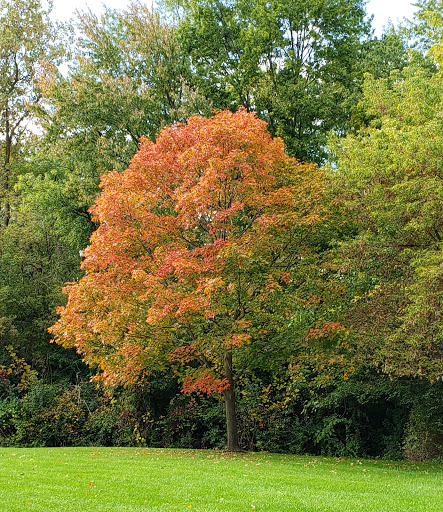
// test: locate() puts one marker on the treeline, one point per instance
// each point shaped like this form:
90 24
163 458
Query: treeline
357 372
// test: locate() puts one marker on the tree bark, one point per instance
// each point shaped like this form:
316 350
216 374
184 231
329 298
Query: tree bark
229 397
7 161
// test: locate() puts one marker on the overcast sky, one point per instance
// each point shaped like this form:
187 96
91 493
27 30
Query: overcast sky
383 10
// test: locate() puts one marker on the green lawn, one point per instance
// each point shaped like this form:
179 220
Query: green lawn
137 479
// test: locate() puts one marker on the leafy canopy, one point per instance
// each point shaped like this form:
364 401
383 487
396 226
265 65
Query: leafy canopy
198 252
391 177
296 62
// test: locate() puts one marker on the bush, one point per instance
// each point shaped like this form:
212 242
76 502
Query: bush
9 413
367 416
114 420
424 431
363 416
50 416
191 421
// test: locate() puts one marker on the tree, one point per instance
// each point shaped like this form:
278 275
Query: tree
26 38
127 79
383 56
39 252
390 177
296 62
427 28
199 255
34 262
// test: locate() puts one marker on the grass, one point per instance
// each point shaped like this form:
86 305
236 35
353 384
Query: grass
136 479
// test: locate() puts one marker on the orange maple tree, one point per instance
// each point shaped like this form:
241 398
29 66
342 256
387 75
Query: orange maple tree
197 245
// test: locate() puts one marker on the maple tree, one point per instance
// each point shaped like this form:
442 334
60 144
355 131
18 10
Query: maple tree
197 255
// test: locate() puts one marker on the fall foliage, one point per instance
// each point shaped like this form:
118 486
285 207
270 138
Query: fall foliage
198 242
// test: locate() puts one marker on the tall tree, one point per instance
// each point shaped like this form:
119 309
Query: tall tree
390 175
34 262
127 79
199 254
296 62
27 37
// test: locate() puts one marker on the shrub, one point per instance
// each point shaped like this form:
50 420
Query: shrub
424 431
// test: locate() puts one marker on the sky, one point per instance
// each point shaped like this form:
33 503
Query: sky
383 10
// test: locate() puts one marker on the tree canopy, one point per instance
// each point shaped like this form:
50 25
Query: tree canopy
297 63
390 174
27 38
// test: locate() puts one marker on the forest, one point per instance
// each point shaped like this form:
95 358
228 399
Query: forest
221 225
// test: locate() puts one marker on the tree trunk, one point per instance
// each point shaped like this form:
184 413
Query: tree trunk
6 170
229 397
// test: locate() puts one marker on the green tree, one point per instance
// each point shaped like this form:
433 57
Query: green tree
427 27
295 62
127 79
383 56
27 38
31 256
39 252
390 175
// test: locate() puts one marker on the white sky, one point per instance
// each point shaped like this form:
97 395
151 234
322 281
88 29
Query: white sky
383 10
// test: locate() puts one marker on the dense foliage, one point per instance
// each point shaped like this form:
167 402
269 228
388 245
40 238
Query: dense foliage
297 63
200 251
223 276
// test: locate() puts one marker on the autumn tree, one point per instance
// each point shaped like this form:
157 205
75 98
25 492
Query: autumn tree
198 256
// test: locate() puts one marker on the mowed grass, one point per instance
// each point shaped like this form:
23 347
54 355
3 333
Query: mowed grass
137 479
